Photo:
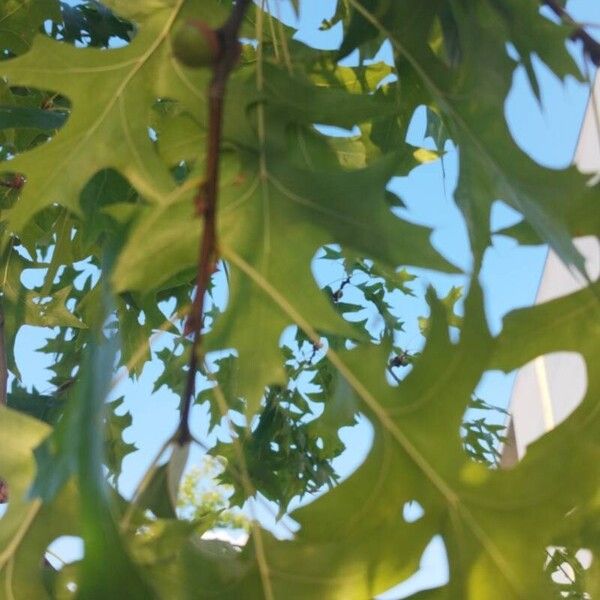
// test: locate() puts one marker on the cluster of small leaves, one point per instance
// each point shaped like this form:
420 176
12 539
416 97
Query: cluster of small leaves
289 447
116 448
91 24
201 497
483 439
375 286
283 457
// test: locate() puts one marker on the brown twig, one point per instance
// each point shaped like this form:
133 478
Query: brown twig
206 198
590 45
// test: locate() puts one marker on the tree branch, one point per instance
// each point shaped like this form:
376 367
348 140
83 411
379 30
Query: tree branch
590 45
206 198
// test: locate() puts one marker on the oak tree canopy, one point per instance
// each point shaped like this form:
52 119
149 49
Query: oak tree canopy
172 176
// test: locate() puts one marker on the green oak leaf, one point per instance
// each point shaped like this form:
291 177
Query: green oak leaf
117 449
44 407
109 130
496 525
262 208
549 44
226 379
21 20
24 306
111 93
30 117
471 97
454 320
29 525
76 449
288 189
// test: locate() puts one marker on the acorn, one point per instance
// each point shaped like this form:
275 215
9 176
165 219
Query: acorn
195 44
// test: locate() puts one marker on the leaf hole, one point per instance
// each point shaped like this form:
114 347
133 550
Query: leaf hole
412 511
364 293
567 567
29 117
61 566
90 25
64 550
483 429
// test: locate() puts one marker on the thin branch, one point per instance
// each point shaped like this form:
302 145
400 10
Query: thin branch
590 45
394 376
206 198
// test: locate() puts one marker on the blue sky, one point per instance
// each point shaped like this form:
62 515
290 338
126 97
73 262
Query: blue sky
510 274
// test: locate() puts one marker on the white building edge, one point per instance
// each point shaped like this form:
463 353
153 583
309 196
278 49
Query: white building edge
547 390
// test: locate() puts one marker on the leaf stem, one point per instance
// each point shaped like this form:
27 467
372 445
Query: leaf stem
206 198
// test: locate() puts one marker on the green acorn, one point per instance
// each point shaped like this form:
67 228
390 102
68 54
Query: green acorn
195 44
